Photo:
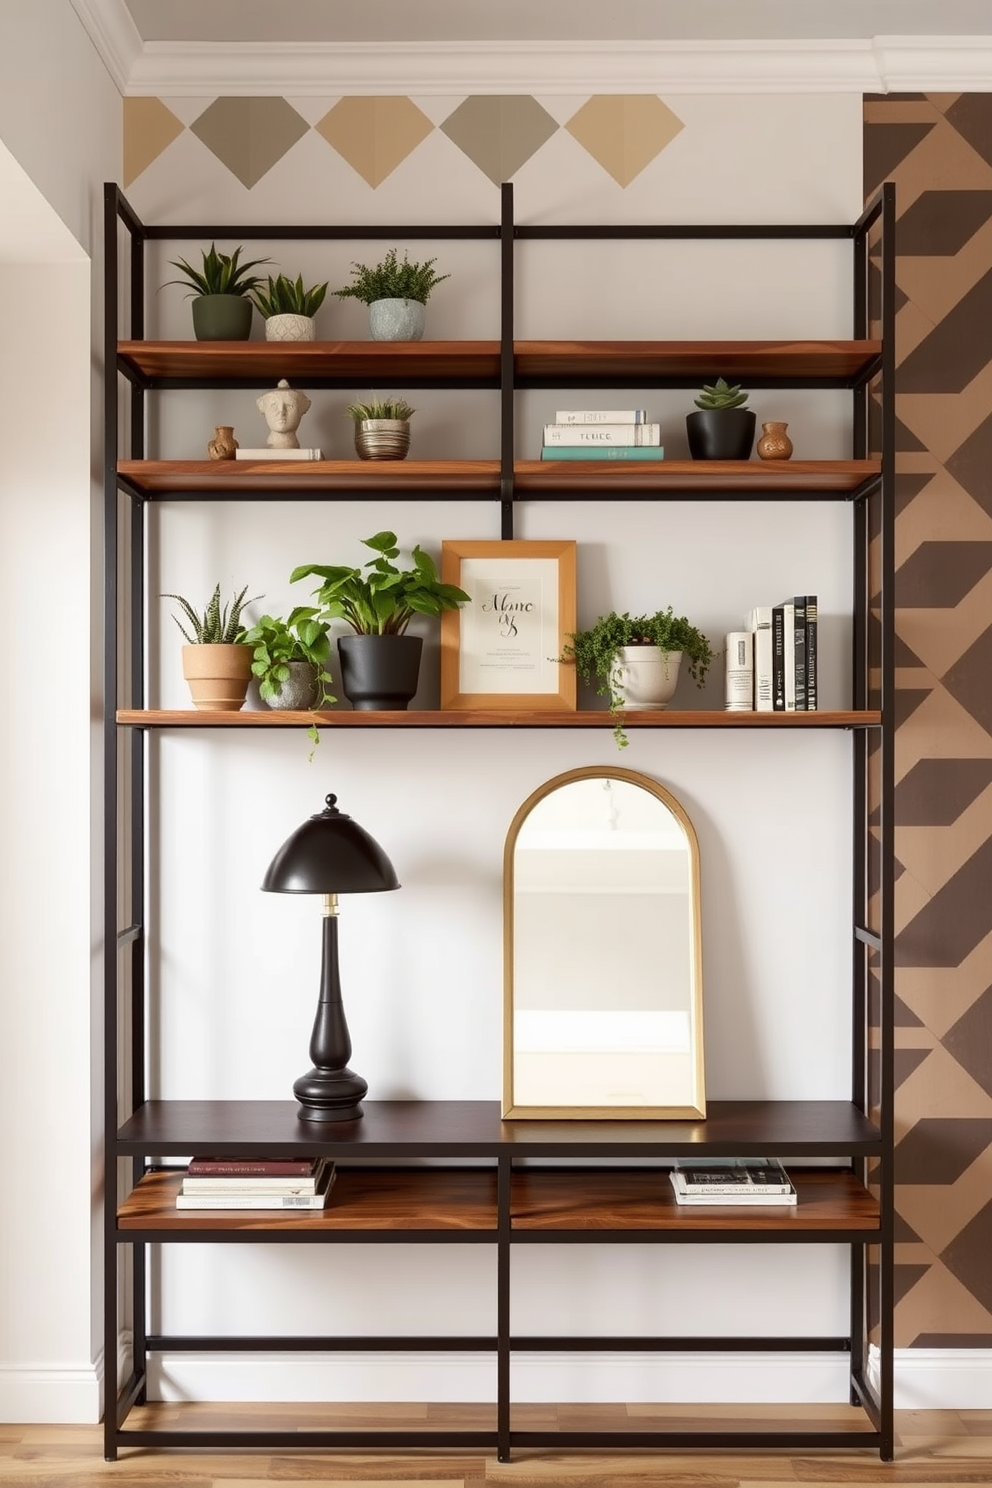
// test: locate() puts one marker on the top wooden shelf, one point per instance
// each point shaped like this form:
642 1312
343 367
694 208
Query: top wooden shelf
478 363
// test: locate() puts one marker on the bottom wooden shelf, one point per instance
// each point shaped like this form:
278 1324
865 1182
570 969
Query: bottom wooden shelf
584 1201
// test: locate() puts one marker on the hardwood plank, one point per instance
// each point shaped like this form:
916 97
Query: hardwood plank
490 718
612 1200
695 361
360 1201
362 362
754 479
289 478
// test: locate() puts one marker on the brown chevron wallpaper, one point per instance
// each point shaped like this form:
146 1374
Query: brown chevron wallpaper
937 148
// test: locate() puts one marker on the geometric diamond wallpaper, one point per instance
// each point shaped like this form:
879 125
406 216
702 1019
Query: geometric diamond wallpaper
938 151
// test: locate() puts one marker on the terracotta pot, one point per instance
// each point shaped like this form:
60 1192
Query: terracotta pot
774 443
223 444
218 676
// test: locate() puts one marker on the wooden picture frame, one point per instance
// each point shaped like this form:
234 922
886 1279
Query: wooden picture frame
498 651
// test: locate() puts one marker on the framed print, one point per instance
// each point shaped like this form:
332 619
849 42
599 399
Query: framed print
499 650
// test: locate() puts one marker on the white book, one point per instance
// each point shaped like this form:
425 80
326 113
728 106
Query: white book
278 454
241 1200
742 1201
738 694
601 416
789 620
593 434
759 621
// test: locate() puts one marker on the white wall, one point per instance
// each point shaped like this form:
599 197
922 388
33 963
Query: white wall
60 128
233 981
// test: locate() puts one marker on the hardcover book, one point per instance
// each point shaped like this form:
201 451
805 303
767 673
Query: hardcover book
731 1175
595 434
601 416
811 653
278 454
271 1183
242 1200
759 622
602 452
262 1167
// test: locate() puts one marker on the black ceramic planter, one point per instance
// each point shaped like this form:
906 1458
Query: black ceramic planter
379 672
720 433
222 317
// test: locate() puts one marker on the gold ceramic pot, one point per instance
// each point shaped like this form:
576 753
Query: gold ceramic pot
382 439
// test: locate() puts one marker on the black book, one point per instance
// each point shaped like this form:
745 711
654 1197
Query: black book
811 653
778 658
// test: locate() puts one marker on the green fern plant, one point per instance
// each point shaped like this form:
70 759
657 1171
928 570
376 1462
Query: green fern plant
721 394
389 407
222 273
284 296
392 280
214 626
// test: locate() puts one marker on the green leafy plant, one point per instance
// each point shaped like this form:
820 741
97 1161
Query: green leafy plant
214 626
382 599
301 636
721 394
222 273
392 280
389 407
595 651
283 296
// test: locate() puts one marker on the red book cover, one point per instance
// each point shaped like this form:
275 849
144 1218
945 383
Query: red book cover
252 1167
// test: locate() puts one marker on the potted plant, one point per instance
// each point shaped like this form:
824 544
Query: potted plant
221 290
721 428
380 663
216 661
382 427
396 294
636 659
290 659
288 308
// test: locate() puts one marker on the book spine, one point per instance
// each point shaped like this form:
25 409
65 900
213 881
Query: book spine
778 659
251 1201
738 693
275 1167
759 622
800 604
596 434
278 454
601 416
602 452
811 653
789 659
249 1186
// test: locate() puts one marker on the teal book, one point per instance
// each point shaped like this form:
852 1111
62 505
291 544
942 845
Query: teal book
602 452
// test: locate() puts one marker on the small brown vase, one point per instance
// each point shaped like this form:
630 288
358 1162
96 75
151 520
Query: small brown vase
774 443
223 444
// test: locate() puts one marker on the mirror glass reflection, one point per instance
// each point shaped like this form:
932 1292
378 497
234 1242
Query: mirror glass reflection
602 952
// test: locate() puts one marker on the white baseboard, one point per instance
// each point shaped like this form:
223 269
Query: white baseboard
936 1379
51 1394
939 1379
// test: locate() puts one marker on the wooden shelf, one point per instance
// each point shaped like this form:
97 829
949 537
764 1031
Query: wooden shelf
553 363
474 1129
595 1201
754 479
491 718
423 1199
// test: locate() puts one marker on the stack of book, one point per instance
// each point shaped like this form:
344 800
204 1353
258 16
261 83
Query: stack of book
734 1180
785 655
602 434
256 1183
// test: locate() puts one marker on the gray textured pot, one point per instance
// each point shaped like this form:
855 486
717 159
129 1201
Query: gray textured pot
397 320
299 691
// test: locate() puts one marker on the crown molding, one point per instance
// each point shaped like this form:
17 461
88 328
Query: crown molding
883 64
109 26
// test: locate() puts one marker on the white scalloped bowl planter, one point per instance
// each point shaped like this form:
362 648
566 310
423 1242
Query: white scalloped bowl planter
290 328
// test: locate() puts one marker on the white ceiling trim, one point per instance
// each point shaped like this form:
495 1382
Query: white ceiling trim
884 64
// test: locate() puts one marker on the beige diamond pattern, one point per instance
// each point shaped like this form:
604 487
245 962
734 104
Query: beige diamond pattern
149 129
624 134
374 135
499 134
250 135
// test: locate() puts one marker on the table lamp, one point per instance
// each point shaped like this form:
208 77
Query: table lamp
330 854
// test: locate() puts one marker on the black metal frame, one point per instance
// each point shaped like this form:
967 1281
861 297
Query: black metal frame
124 771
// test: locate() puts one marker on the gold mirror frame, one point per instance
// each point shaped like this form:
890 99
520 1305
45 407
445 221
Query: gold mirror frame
697 1106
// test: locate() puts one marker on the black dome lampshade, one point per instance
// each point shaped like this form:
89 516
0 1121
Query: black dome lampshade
330 854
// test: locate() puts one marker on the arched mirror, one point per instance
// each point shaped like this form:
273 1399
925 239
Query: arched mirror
602 952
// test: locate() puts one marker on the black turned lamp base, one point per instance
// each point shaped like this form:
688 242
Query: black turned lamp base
330 1095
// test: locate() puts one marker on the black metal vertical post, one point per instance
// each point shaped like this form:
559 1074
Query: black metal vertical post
506 407
504 1177
887 580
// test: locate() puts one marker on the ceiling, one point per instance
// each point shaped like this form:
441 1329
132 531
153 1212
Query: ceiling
391 21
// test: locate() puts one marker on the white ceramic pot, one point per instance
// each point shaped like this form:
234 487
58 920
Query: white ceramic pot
645 676
290 328
397 320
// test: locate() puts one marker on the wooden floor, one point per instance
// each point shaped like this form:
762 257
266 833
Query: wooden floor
932 1447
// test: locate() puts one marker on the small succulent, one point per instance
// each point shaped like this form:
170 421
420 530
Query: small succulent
222 273
721 394
380 408
283 296
392 280
216 626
